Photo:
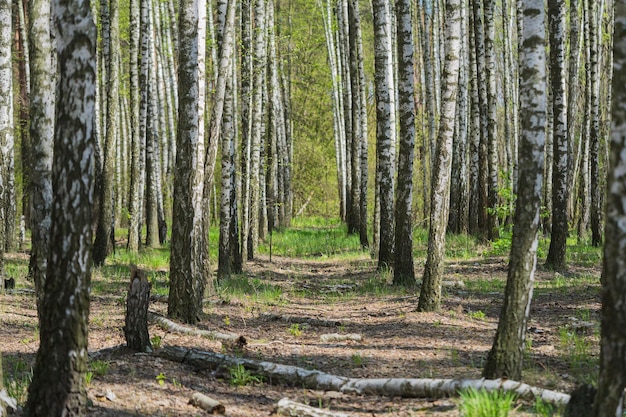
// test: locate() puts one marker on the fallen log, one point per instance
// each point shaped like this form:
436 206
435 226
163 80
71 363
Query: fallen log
286 407
276 373
208 404
167 324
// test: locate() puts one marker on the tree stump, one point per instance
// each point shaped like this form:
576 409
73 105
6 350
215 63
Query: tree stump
136 328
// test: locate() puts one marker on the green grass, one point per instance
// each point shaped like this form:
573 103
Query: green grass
16 381
313 242
576 350
241 286
481 403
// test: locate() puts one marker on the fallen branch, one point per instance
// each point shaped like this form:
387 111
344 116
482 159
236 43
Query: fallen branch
336 337
286 407
301 320
389 387
207 403
167 324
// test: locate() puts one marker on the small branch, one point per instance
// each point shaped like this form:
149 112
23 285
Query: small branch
286 407
167 324
336 337
207 403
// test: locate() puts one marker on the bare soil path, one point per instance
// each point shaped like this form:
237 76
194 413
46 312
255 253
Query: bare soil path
293 303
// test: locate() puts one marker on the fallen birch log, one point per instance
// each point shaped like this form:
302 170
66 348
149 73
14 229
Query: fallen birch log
208 404
337 337
301 320
286 407
275 373
167 324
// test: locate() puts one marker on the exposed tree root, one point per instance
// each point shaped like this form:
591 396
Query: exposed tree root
390 387
169 325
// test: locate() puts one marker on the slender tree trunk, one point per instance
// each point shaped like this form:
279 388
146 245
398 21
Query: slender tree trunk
41 133
561 145
257 126
459 215
594 136
135 146
404 273
492 120
58 385
506 355
609 399
246 119
430 294
385 129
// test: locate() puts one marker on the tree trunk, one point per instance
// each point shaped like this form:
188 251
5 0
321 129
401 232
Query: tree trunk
561 145
186 280
103 245
492 120
594 136
612 379
58 385
41 134
385 130
404 273
135 147
430 294
506 355
137 301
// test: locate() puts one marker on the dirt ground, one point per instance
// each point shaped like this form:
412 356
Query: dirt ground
397 340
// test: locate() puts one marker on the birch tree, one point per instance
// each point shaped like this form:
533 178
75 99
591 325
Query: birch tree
41 134
594 116
7 134
134 197
561 145
186 280
612 379
430 294
385 129
404 274
103 245
506 355
58 385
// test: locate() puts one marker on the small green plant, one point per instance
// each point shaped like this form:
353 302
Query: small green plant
226 321
155 341
99 368
295 330
357 359
477 315
482 403
161 378
88 377
176 383
240 376
17 384
544 409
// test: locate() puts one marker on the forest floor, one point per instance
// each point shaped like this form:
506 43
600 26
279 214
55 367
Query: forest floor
562 338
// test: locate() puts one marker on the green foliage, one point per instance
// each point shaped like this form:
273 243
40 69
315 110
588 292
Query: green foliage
88 377
155 341
357 359
18 381
577 351
161 378
241 286
482 403
478 315
295 330
313 242
99 368
545 409
240 376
